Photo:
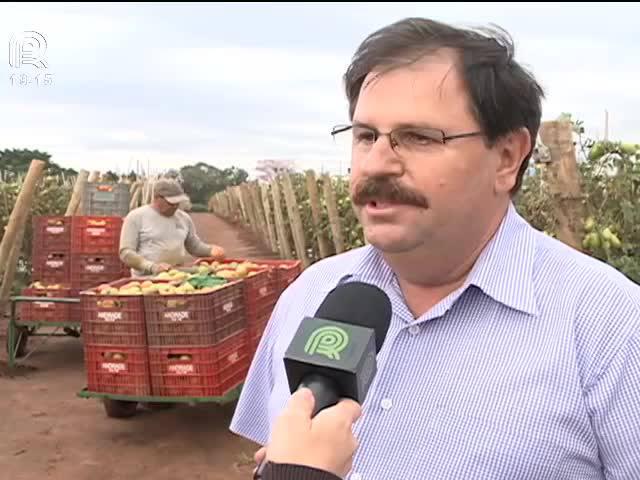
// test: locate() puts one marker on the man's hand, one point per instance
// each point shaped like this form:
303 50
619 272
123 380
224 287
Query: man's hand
325 442
160 267
217 253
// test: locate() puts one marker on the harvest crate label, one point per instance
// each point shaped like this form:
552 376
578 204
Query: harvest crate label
176 316
55 230
181 369
227 307
112 367
43 304
96 232
94 268
110 316
55 263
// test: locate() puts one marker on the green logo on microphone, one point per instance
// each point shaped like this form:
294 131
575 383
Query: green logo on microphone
328 341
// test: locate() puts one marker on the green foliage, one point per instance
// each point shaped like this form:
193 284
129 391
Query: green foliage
199 208
15 163
201 180
110 177
610 182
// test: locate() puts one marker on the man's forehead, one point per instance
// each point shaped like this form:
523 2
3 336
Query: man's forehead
426 91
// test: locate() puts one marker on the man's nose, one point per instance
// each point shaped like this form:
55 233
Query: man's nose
381 159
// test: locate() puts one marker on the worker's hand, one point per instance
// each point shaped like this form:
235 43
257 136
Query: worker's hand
217 253
160 267
325 442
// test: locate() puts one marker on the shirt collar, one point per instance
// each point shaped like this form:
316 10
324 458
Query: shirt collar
504 269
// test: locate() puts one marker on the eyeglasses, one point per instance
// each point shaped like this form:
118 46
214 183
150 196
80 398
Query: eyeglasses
406 139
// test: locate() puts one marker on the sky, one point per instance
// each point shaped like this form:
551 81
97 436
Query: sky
167 85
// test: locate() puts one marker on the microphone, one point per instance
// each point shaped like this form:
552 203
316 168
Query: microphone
334 352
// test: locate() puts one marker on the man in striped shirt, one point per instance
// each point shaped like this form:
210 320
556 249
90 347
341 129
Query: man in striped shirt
509 355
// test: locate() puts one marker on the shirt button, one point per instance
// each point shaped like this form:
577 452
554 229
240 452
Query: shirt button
414 330
355 476
386 403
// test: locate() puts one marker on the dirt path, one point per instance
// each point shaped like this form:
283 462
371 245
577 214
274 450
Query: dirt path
48 432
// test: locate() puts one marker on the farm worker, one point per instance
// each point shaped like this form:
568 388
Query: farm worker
510 355
159 236
302 448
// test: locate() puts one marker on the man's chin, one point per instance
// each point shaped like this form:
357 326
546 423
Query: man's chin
390 238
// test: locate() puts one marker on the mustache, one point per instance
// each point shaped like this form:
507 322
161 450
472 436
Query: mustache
388 190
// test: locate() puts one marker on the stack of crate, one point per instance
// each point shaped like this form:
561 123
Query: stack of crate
189 345
115 342
197 342
70 254
95 260
106 199
51 257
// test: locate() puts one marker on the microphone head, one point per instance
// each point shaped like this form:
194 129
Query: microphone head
361 304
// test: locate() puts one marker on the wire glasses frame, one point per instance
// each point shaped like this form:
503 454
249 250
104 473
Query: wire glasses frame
408 134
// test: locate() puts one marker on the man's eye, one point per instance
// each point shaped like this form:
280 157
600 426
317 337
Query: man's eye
364 137
416 138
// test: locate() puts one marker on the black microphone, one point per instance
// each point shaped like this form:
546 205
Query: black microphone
334 352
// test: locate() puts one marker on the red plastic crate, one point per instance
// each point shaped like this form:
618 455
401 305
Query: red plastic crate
254 335
286 272
44 311
198 319
117 369
113 319
260 292
199 372
96 235
52 267
88 271
52 234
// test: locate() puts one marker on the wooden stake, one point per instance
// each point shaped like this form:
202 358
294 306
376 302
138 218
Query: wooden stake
94 177
332 210
78 192
565 181
295 221
283 238
314 201
266 205
14 233
259 210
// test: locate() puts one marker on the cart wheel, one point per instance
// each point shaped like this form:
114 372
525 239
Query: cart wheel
120 408
23 334
72 332
159 405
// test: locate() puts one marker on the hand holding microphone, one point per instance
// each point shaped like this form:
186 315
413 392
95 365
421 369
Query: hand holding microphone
332 354
325 443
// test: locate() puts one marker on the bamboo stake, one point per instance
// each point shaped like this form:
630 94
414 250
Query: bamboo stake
78 193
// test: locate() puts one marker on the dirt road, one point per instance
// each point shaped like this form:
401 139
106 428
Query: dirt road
48 432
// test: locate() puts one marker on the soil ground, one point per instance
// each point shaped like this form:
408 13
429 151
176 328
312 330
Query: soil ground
46 431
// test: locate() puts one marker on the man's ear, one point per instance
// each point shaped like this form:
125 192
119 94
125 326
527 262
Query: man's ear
512 150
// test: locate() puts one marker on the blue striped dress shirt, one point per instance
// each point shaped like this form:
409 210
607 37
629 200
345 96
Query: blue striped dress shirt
529 371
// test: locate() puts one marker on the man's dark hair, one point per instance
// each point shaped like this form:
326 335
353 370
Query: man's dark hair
504 96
